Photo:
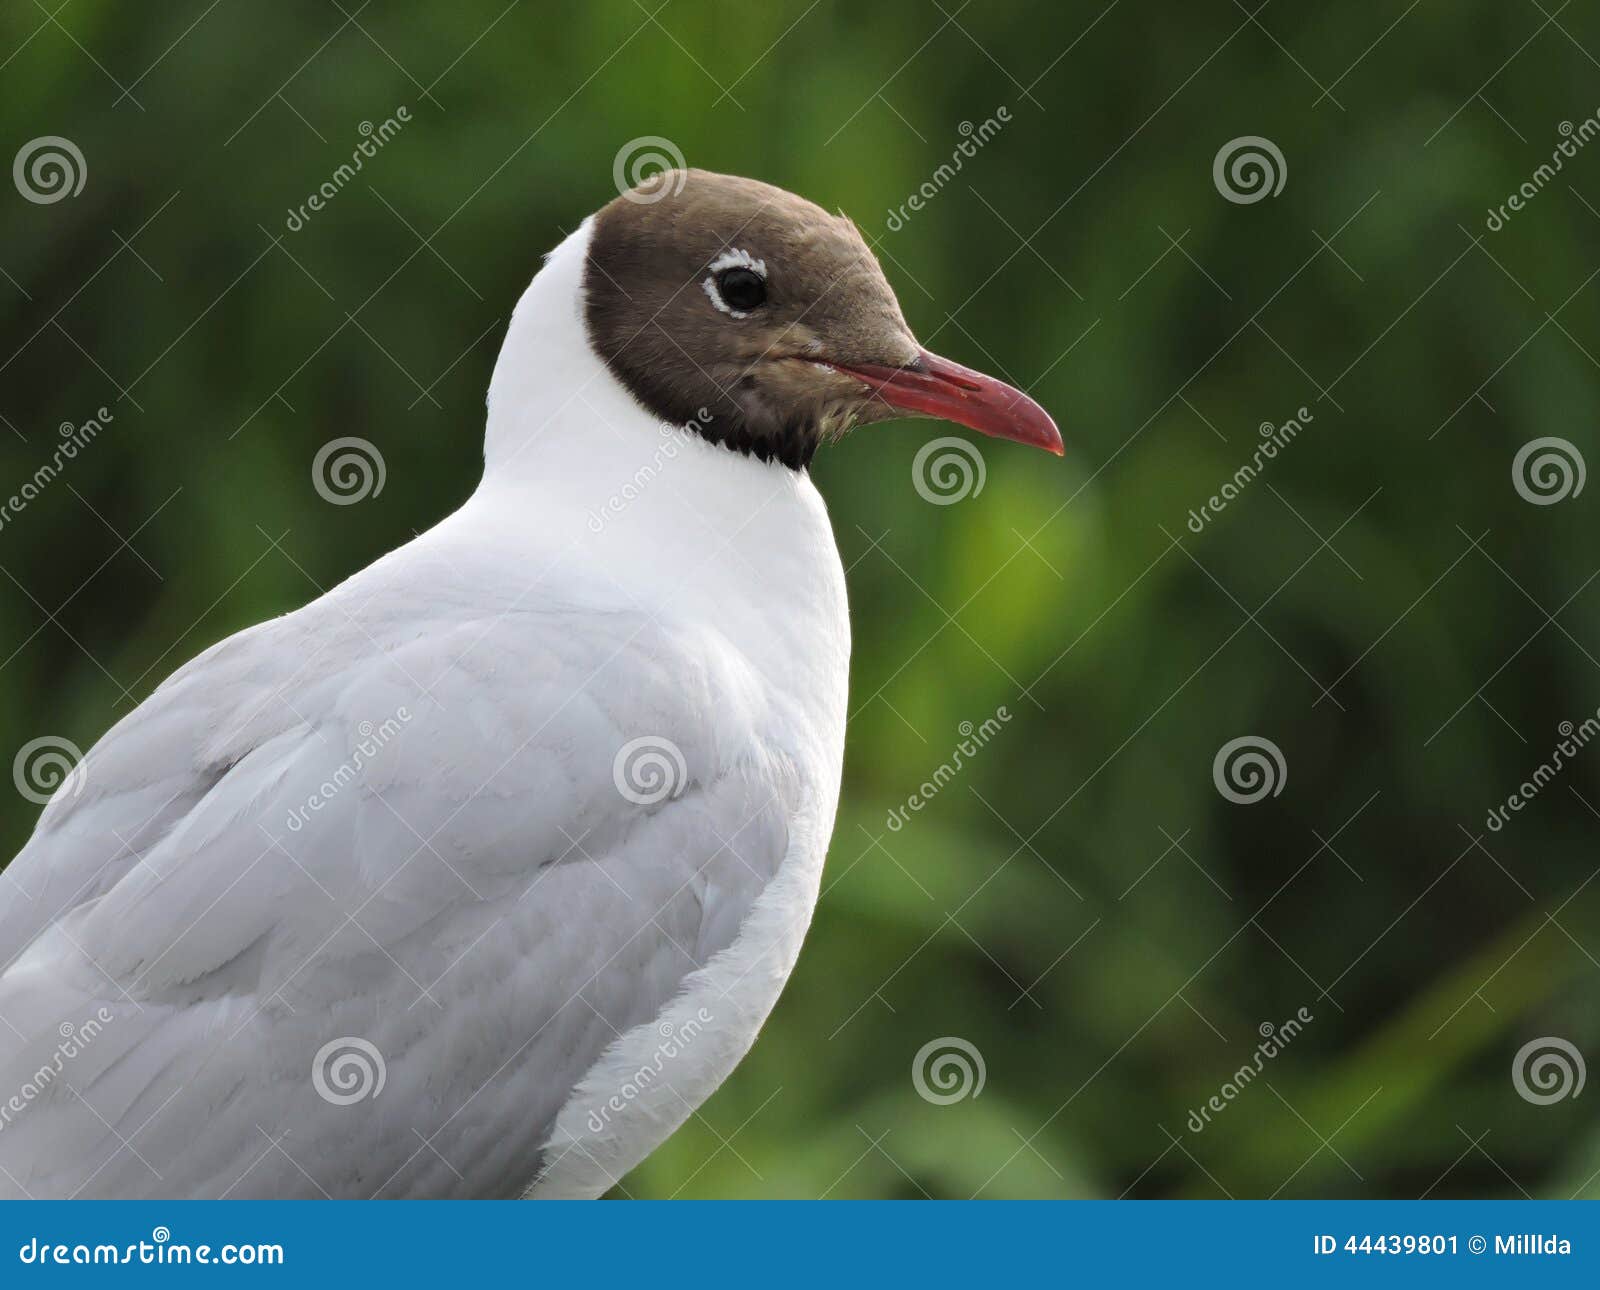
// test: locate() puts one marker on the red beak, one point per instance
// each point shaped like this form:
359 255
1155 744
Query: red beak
935 387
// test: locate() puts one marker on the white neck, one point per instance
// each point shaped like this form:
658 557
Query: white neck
547 339
579 474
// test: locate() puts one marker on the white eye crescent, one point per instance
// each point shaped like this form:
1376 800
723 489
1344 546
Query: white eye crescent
731 259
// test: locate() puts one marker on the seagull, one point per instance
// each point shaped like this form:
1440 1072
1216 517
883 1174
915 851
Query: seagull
476 876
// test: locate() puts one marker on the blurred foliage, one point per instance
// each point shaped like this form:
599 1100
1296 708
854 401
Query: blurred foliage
1080 903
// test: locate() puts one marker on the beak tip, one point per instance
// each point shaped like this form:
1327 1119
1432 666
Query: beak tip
1043 433
1049 435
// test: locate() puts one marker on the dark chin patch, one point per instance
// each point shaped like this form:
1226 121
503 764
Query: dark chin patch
791 443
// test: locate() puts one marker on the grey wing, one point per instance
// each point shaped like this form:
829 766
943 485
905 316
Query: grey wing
145 775
388 918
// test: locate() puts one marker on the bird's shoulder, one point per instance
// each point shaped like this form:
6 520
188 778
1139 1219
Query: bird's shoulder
493 730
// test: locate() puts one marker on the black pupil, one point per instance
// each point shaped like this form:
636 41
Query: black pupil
742 289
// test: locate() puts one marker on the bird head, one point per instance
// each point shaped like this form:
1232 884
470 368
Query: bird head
768 324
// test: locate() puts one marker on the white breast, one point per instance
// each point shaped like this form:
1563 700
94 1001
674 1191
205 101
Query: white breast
649 1082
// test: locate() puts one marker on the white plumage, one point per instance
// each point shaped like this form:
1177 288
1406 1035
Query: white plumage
512 934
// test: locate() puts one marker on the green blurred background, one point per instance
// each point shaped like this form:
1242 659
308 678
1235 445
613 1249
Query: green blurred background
1080 903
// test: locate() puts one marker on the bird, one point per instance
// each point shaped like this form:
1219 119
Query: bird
475 876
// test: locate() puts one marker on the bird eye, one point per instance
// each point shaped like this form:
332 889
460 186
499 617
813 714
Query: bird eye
742 289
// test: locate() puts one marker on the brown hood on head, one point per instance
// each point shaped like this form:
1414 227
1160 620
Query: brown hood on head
818 346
